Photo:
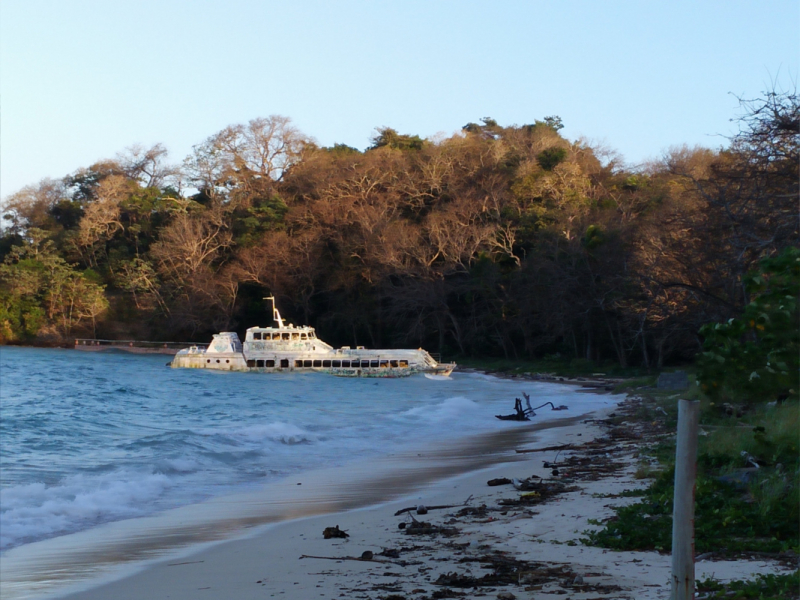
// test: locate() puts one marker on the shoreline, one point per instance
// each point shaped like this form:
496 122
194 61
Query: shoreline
112 550
300 533
464 547
462 550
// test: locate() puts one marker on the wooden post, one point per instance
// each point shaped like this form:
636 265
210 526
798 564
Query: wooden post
683 509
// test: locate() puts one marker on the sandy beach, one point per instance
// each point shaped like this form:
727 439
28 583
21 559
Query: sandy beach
489 541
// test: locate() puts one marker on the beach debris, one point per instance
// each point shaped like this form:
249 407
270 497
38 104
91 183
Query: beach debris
367 555
457 580
420 509
519 413
334 532
506 596
592 462
531 412
499 481
505 570
425 528
396 552
524 514
524 485
425 509
524 414
546 449
543 490
749 459
472 511
358 558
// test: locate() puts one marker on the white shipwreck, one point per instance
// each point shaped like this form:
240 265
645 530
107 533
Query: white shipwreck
287 348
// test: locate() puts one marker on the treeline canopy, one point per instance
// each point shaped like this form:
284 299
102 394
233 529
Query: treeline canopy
507 241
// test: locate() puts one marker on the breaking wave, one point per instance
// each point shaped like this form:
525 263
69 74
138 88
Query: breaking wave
456 409
35 510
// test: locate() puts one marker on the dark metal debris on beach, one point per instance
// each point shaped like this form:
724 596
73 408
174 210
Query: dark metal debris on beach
334 532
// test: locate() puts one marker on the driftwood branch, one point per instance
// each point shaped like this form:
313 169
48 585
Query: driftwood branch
188 562
547 449
408 509
358 558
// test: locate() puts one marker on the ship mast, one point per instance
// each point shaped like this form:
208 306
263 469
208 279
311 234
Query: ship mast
275 314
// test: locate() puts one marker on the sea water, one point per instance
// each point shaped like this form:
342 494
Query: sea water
89 438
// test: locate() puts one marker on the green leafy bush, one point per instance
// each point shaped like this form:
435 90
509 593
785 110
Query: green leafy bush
727 519
785 586
756 357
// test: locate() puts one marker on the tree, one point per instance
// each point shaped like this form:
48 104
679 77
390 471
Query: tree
33 205
187 256
138 277
102 217
390 138
148 166
41 293
243 162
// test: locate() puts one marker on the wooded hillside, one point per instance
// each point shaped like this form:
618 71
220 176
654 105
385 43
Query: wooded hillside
498 241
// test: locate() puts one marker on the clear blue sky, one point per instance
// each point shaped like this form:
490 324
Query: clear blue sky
81 80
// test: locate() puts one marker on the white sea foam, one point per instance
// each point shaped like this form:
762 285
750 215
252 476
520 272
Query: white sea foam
277 431
36 510
178 465
453 409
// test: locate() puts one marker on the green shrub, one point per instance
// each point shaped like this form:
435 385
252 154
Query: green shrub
769 434
759 516
756 357
785 586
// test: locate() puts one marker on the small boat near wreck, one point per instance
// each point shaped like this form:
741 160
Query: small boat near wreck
287 348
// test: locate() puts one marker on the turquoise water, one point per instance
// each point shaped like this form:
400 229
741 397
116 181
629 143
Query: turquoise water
91 438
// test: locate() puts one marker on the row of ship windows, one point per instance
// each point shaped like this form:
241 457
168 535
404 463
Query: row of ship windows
347 364
283 336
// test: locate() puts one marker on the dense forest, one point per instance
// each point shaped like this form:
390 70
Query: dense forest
497 241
